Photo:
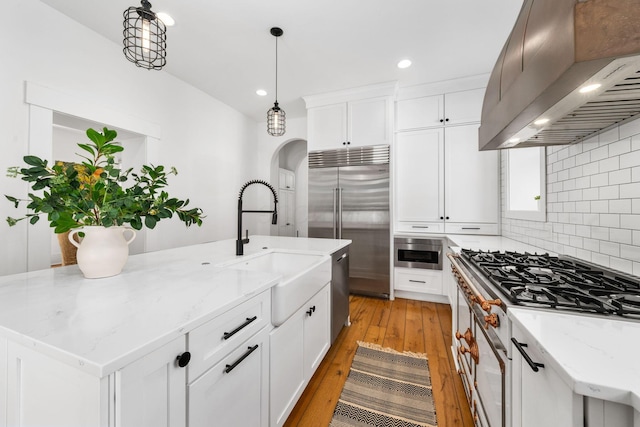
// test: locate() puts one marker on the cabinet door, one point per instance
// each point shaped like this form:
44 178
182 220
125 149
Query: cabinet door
235 391
152 390
540 398
463 107
471 178
287 179
417 280
416 113
327 127
419 187
287 368
369 122
316 331
287 214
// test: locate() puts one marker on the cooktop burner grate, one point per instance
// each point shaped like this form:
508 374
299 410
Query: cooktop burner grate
545 281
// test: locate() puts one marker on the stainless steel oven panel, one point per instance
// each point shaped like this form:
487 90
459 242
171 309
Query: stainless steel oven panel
423 251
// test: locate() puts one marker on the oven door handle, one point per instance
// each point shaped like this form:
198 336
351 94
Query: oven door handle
534 365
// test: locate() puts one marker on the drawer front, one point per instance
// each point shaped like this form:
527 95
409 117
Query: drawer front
415 280
420 227
214 340
459 228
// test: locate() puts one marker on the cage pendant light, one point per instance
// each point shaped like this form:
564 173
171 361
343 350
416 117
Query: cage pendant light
145 37
276 115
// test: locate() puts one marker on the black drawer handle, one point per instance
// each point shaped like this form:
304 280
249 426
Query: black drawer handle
228 335
417 281
342 257
419 226
519 346
471 228
311 311
229 368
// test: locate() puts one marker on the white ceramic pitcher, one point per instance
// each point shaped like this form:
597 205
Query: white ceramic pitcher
103 251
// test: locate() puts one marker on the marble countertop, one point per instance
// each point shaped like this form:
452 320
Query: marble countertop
100 325
595 356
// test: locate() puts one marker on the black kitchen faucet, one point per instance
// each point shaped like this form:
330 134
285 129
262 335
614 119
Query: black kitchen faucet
274 218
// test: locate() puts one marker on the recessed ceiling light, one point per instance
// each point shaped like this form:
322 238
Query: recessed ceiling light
540 121
514 140
261 92
166 18
405 63
590 88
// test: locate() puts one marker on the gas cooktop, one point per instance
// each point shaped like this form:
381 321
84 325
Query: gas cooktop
565 283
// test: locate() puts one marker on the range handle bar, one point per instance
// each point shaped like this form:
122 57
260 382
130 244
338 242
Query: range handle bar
477 296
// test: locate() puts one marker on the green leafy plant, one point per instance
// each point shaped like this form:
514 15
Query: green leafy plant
536 197
93 192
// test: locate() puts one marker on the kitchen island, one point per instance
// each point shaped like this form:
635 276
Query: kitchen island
72 341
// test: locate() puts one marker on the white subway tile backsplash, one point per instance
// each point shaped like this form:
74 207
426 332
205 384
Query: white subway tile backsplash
630 129
600 180
593 201
600 233
620 147
620 264
610 220
621 176
630 252
609 136
630 159
629 191
630 221
600 153
609 164
620 206
608 193
620 236
600 206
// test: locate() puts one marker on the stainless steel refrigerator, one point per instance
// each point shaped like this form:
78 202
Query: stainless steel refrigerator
349 199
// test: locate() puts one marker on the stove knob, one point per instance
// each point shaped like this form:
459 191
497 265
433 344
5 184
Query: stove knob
492 319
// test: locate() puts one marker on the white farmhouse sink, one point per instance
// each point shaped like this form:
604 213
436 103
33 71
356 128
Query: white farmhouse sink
303 275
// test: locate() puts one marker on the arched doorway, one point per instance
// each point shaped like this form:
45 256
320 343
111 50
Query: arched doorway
289 174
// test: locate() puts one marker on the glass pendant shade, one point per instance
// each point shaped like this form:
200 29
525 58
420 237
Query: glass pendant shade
275 115
145 37
276 121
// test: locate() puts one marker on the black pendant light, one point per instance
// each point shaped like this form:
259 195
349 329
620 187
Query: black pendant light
276 115
145 37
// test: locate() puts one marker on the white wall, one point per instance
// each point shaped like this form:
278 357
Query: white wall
593 201
211 145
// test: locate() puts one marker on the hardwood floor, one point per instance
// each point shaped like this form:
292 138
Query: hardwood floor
404 325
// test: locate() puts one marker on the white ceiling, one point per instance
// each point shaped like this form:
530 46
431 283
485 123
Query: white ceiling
224 47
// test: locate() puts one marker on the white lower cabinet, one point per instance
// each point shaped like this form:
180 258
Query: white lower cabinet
418 280
151 391
234 392
540 398
297 348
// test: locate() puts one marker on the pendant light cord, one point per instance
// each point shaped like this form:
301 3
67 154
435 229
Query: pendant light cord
276 69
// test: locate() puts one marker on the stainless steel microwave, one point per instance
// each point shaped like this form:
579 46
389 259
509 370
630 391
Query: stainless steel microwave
411 252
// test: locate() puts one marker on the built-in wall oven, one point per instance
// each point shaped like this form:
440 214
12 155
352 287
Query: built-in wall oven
413 252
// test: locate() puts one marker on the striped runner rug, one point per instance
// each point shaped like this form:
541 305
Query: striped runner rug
386 388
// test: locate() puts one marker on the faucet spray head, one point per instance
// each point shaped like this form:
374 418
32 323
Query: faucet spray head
274 218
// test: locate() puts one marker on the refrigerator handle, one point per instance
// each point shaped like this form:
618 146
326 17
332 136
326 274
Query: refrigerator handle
335 212
339 213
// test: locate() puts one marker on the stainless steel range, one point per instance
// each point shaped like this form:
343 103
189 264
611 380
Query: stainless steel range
491 282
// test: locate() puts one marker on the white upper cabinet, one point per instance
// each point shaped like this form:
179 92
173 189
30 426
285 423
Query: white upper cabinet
352 118
452 108
351 124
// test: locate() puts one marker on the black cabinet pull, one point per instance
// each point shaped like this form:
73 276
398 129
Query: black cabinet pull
183 359
311 310
344 143
446 217
471 228
519 346
417 281
228 335
441 120
229 368
446 120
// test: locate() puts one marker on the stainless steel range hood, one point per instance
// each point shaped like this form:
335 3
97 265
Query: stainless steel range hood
557 48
